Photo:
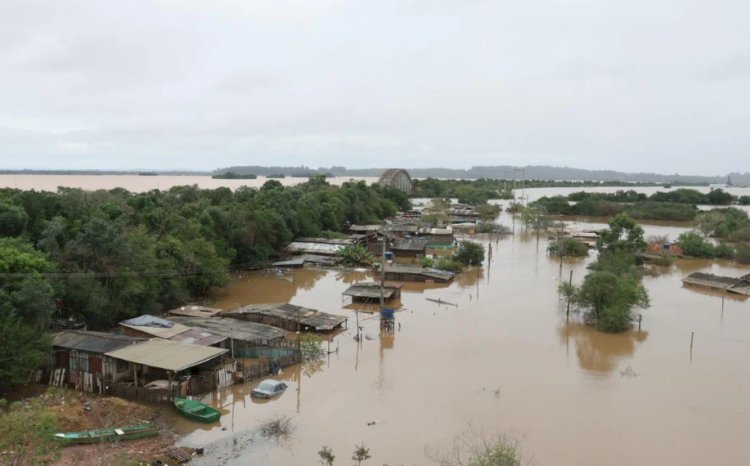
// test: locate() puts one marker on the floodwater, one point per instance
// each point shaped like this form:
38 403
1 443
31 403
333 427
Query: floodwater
139 184
505 360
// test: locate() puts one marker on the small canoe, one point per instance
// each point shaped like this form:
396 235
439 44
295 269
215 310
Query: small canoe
114 434
196 410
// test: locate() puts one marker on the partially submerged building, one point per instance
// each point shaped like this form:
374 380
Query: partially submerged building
192 310
371 291
414 273
318 246
304 259
288 316
236 329
412 248
739 286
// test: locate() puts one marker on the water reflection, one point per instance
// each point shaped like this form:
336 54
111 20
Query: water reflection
267 287
597 351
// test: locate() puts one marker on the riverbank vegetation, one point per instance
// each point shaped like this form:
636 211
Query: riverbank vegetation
677 205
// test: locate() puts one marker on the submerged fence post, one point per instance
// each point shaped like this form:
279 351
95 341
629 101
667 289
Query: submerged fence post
570 284
692 334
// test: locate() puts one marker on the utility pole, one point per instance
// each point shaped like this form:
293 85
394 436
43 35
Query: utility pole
570 285
382 275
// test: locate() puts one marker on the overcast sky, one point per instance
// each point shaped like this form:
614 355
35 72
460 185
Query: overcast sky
638 85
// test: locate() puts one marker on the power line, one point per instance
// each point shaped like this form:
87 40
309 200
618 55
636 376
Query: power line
154 273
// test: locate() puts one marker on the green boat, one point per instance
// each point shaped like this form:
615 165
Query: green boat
114 434
196 410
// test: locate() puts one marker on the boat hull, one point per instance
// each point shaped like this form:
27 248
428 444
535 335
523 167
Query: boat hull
114 434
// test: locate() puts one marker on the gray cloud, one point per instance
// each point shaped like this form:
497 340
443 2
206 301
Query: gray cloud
623 85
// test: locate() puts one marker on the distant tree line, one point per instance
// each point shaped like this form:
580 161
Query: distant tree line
677 205
103 256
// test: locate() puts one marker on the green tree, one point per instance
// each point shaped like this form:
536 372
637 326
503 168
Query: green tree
623 235
607 300
469 252
356 254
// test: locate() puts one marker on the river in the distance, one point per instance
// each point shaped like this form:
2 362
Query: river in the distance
506 360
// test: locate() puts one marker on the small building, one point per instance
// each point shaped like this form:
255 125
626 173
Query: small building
158 359
300 261
288 316
79 359
467 228
397 178
370 291
739 286
148 326
235 329
365 229
318 246
664 248
414 247
414 273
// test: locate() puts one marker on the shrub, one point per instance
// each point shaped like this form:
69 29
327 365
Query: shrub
356 254
470 253
695 245
570 247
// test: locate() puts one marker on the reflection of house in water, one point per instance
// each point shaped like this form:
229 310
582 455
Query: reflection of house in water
598 351
470 277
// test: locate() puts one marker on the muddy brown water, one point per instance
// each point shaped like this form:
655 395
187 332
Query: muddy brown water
505 360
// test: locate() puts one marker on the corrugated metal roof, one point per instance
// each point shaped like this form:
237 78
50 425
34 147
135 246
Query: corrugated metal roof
160 332
414 244
93 342
237 329
314 248
308 317
417 270
198 336
371 290
168 355
195 311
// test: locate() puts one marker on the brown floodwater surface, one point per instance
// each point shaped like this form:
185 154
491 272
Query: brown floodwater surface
505 360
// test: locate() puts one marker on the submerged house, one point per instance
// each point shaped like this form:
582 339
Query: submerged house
79 359
371 291
288 316
318 246
739 286
412 248
414 273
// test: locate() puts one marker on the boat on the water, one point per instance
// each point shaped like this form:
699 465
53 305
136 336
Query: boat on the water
113 434
196 410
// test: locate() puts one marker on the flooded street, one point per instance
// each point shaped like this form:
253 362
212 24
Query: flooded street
505 360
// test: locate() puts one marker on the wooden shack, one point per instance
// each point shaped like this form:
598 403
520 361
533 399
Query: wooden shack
370 291
414 273
79 359
288 316
411 248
